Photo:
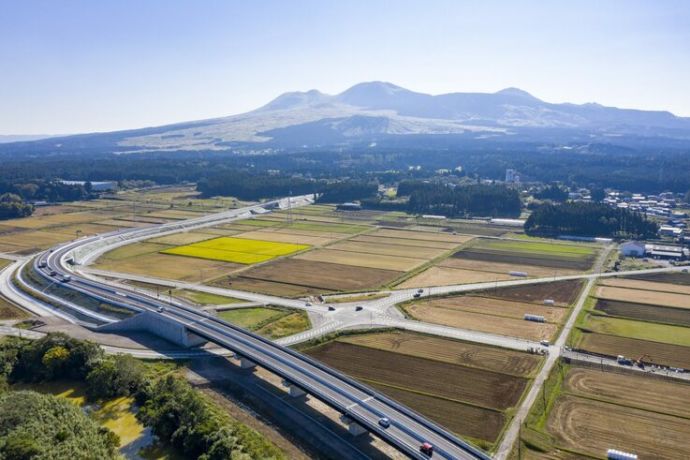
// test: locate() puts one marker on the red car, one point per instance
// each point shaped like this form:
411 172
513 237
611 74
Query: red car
427 449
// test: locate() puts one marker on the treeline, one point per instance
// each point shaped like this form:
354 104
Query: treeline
12 206
461 201
48 190
589 219
247 186
350 190
174 411
553 193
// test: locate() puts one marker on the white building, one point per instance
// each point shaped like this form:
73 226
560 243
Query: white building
512 176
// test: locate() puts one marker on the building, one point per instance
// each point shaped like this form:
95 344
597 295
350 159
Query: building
103 186
667 230
632 249
512 176
658 251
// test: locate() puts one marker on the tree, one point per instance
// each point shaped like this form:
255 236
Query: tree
119 375
12 206
598 194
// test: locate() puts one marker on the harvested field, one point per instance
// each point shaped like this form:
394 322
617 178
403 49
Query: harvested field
666 299
322 275
480 322
498 307
534 271
561 292
673 278
417 235
480 229
453 382
236 250
515 258
443 276
170 267
281 237
448 350
34 240
372 238
660 353
53 220
646 285
388 249
633 390
640 330
265 287
592 427
182 238
680 316
326 227
362 260
9 311
463 419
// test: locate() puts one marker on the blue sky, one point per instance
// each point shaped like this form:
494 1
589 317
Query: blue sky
81 65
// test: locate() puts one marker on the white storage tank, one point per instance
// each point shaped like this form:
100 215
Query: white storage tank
613 454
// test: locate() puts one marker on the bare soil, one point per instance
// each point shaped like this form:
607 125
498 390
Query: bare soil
660 353
680 316
665 299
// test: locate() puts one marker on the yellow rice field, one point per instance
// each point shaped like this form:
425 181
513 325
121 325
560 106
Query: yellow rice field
237 250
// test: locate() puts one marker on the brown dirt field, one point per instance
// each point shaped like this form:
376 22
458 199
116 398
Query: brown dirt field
561 292
371 238
179 239
450 381
132 250
459 418
495 267
286 237
645 285
665 299
34 239
53 220
593 427
660 353
673 278
357 259
266 287
516 258
169 266
388 249
419 235
680 316
118 223
484 323
442 276
86 229
639 391
450 351
498 307
322 275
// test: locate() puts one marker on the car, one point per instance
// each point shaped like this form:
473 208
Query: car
359 308
427 449
685 270
544 343
417 295
161 309
53 273
384 422
331 308
307 304
420 290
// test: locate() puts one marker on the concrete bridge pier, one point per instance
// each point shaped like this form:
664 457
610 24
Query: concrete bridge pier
293 390
246 363
354 428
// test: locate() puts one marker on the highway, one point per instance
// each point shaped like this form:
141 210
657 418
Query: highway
407 430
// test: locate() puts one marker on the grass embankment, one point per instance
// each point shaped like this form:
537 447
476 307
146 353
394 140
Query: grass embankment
272 323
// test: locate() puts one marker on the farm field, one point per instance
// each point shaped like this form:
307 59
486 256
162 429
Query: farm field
373 238
388 249
659 353
667 299
312 239
645 285
468 395
644 312
321 275
455 317
421 235
672 278
497 307
675 335
591 410
362 259
444 276
182 238
545 254
449 351
563 293
9 311
236 250
533 271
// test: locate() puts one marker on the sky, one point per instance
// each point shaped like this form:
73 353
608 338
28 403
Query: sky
73 66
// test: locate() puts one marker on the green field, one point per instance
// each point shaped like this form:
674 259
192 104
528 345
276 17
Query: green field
204 298
640 330
237 250
539 247
327 227
268 322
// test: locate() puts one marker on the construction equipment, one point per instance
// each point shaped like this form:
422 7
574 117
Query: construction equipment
639 361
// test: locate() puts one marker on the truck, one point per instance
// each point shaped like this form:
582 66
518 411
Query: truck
613 454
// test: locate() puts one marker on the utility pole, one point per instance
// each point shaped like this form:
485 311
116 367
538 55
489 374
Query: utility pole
289 213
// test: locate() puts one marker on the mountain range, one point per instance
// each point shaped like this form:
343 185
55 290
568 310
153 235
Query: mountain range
378 113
